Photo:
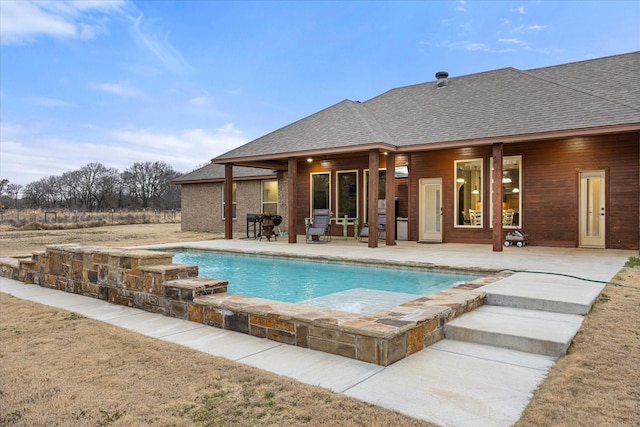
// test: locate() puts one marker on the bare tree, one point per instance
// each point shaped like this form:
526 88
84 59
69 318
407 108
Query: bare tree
95 183
97 187
106 188
44 193
14 192
149 182
34 194
70 190
3 186
4 183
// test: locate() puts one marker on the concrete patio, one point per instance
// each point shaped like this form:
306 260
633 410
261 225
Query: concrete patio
482 374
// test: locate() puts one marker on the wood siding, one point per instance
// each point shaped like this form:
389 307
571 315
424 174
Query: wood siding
550 188
360 163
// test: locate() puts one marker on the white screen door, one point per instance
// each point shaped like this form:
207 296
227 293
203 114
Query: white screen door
430 210
592 209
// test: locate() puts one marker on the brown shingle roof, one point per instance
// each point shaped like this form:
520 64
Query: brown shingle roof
215 173
495 104
615 78
344 124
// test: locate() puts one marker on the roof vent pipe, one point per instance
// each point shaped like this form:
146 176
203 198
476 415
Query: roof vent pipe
442 78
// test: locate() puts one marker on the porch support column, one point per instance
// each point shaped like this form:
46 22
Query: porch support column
497 197
374 164
228 201
292 196
390 191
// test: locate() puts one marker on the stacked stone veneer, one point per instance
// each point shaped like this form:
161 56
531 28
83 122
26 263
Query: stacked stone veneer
150 281
136 278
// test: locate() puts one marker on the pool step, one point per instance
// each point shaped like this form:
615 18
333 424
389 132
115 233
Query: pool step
193 287
163 273
533 291
532 331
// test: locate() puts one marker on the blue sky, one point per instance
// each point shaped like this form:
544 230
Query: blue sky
118 82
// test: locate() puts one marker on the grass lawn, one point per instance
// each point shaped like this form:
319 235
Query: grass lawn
58 368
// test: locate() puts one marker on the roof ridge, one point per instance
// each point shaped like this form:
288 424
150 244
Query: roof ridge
633 52
531 73
430 82
362 113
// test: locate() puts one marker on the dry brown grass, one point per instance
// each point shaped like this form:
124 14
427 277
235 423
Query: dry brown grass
64 219
57 369
24 243
598 382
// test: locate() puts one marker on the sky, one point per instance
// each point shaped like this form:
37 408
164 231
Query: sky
119 82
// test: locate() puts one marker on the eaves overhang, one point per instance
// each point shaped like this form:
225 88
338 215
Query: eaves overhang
511 139
279 161
272 161
221 179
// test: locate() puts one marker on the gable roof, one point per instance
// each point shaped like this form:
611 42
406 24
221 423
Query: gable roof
615 77
504 104
345 124
215 173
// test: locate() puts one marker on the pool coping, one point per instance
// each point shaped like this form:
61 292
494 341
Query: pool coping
148 279
383 337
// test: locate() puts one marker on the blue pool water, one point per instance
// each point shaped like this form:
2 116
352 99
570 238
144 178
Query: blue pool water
296 281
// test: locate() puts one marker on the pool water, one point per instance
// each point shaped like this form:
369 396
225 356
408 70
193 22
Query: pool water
301 281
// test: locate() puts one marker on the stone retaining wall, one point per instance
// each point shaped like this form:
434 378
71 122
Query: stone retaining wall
136 278
150 281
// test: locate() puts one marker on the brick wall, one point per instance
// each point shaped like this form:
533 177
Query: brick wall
202 205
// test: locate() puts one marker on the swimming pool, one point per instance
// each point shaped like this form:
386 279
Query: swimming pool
331 285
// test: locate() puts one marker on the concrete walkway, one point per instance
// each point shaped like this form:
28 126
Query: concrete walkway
481 378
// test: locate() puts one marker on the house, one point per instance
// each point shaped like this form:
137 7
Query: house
554 151
254 191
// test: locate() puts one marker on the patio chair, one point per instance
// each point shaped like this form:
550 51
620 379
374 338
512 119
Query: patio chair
382 224
320 227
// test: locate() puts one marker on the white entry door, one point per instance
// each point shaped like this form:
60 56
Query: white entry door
592 209
430 201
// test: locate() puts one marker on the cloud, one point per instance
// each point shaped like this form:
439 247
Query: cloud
228 129
21 22
159 45
461 7
200 101
512 41
476 46
519 10
123 89
25 160
471 46
27 155
49 102
183 150
534 27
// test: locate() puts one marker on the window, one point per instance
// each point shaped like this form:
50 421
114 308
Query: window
270 197
511 191
320 185
233 198
382 189
347 194
468 193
